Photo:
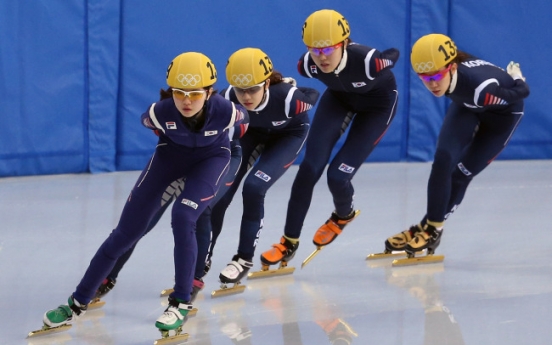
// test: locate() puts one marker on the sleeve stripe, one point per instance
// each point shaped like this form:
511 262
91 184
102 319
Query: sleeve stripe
153 118
306 65
367 63
233 119
289 99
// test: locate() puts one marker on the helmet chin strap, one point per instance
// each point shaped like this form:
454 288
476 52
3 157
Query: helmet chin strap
453 81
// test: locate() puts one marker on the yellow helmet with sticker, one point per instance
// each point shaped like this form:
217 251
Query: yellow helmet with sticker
325 28
432 52
191 70
248 67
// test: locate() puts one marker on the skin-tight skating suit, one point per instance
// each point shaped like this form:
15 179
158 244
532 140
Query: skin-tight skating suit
361 94
277 131
486 108
203 224
201 155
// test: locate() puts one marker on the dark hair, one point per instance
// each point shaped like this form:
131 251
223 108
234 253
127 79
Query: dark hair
461 56
164 94
275 78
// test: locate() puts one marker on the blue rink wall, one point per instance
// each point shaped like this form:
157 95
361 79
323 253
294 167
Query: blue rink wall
75 76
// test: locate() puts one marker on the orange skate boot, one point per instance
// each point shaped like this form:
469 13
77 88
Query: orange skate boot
333 227
328 232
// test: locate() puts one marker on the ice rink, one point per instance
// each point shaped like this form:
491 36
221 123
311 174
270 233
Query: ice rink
494 287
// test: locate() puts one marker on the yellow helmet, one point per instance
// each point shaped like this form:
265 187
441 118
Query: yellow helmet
191 70
325 28
248 67
432 52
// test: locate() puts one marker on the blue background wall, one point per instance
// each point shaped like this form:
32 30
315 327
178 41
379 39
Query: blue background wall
75 77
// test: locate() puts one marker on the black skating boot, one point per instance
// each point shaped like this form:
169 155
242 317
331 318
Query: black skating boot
107 285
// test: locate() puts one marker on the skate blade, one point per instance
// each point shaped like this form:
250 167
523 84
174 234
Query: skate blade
311 256
228 291
95 304
166 292
192 312
48 330
377 256
175 339
271 273
428 259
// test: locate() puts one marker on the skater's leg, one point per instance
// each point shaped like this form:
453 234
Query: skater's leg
456 134
140 209
130 229
366 131
174 189
277 156
490 139
201 187
206 232
327 126
467 144
203 236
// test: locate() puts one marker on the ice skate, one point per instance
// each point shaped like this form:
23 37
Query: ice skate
171 322
329 232
281 253
59 319
396 244
233 274
197 287
428 239
107 285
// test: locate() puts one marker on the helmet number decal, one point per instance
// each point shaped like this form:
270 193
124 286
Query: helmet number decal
169 69
266 65
345 30
210 67
450 52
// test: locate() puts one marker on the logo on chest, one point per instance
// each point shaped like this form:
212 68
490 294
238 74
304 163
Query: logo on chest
210 133
170 125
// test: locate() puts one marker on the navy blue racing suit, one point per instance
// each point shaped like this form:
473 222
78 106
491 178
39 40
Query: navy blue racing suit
201 156
486 108
361 94
203 224
277 131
